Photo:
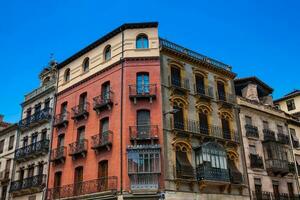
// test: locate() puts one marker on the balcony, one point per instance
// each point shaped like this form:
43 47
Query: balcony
275 167
251 131
256 161
207 173
226 99
145 182
181 86
40 90
78 149
28 185
59 155
32 151
80 111
261 195
4 176
137 92
103 102
283 138
292 168
61 120
205 93
269 136
102 141
36 119
143 132
106 185
184 173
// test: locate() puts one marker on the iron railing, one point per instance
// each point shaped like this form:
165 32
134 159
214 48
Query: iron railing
205 91
226 97
58 153
103 100
102 139
144 181
80 110
143 132
38 181
143 90
32 150
269 135
186 52
206 172
256 161
84 188
40 90
78 147
178 83
261 195
277 166
184 172
251 131
40 116
283 138
61 119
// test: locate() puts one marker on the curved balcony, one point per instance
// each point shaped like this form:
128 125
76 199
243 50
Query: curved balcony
102 141
283 138
78 149
40 117
275 167
251 131
144 91
32 151
269 136
103 102
86 188
61 120
28 185
58 155
81 111
143 132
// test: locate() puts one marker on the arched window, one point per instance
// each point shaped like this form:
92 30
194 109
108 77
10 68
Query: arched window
200 86
175 76
86 64
142 42
143 123
178 117
184 168
221 91
67 75
107 53
203 120
142 83
211 162
105 91
226 129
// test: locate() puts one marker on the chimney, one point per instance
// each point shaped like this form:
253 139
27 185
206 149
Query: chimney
250 92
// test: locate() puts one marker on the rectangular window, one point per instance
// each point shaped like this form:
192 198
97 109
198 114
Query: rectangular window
57 179
30 171
25 141
175 77
80 133
248 120
11 142
252 149
37 108
47 103
290 104
291 190
280 129
1 146
143 161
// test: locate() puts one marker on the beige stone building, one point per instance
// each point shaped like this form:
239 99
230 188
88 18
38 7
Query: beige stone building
31 158
203 154
267 146
8 137
290 103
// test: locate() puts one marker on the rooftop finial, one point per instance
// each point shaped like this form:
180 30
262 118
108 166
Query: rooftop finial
52 60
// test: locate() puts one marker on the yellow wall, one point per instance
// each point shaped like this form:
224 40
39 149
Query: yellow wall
283 106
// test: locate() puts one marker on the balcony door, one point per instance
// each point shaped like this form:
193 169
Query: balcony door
82 102
142 83
221 91
200 84
276 189
40 169
178 117
143 123
30 171
175 76
60 141
105 91
291 190
57 184
28 116
21 174
80 133
203 118
102 175
78 178
226 128
104 126
37 108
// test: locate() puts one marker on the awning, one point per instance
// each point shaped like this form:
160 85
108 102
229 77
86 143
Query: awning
183 165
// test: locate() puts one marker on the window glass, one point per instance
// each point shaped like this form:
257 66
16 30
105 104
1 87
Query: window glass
86 64
142 81
142 42
290 104
107 53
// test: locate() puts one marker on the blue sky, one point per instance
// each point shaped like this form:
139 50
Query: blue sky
256 37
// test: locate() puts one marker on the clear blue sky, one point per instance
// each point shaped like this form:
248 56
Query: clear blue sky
256 37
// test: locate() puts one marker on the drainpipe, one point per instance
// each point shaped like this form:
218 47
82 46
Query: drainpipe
121 114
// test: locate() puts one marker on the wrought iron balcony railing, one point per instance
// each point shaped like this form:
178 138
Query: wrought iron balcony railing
256 161
251 131
4 175
84 188
180 84
184 173
37 183
277 166
37 118
283 138
207 92
194 127
226 97
33 150
103 101
102 140
206 172
61 120
142 91
59 154
261 195
144 181
143 132
192 54
78 148
80 111
236 177
269 135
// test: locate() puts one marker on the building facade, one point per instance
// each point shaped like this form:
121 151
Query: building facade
290 103
108 122
8 137
267 144
31 155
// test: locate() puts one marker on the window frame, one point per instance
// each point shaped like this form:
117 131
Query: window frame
142 41
107 50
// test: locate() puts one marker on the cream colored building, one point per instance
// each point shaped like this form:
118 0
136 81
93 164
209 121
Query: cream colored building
33 140
267 146
290 103
8 137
